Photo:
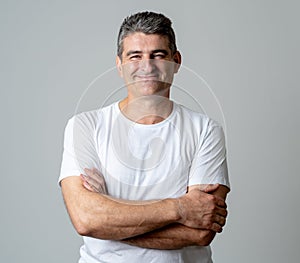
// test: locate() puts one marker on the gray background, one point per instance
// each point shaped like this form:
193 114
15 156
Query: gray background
248 52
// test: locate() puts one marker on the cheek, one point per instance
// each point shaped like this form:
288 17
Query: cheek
167 72
129 68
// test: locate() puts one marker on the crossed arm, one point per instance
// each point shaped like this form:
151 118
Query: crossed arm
176 236
173 223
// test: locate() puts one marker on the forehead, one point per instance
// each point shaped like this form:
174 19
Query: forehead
145 42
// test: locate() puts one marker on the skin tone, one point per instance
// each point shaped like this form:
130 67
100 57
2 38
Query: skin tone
147 67
172 236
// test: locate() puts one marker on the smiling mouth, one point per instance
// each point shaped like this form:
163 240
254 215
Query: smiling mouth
147 77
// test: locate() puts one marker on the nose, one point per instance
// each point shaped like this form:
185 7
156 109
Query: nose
147 65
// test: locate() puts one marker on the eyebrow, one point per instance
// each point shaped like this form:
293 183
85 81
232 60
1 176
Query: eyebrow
165 52
131 52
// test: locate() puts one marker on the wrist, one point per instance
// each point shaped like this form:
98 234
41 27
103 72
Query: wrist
175 209
180 210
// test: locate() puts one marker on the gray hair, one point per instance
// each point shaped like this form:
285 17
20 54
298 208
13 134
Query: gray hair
147 23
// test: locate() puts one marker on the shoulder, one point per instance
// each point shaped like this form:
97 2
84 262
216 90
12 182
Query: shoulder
202 124
91 119
194 115
198 119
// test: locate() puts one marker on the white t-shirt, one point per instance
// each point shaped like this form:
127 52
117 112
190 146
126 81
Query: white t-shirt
145 162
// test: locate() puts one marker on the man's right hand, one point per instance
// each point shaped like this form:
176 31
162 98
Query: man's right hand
94 181
200 209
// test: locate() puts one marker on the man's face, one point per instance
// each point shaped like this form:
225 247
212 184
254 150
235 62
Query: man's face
147 65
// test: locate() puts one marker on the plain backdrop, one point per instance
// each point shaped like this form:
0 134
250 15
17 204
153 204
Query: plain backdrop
247 51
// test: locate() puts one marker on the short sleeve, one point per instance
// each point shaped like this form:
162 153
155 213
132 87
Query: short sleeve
209 165
79 147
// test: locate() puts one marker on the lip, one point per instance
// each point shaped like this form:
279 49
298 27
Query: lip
147 77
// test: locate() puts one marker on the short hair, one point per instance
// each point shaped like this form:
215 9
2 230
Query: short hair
147 23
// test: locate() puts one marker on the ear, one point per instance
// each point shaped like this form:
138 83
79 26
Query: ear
119 66
177 60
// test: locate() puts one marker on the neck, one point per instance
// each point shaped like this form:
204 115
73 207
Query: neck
146 109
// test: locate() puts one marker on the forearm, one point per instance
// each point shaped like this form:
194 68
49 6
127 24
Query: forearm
174 236
103 217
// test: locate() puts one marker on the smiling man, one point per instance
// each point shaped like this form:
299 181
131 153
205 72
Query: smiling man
144 64
145 179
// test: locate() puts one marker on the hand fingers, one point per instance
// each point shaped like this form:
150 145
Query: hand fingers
217 224
216 227
96 171
85 183
103 189
98 187
88 183
220 202
95 180
208 188
88 171
92 172
221 211
95 174
221 220
95 189
93 183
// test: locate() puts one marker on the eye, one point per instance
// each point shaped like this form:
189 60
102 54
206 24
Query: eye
135 57
159 56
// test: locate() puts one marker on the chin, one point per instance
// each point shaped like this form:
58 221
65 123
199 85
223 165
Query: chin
151 91
151 87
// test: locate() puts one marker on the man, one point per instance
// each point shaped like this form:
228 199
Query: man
153 173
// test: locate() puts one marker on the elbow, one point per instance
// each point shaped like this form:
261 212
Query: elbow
82 230
81 226
207 241
84 224
88 227
206 238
